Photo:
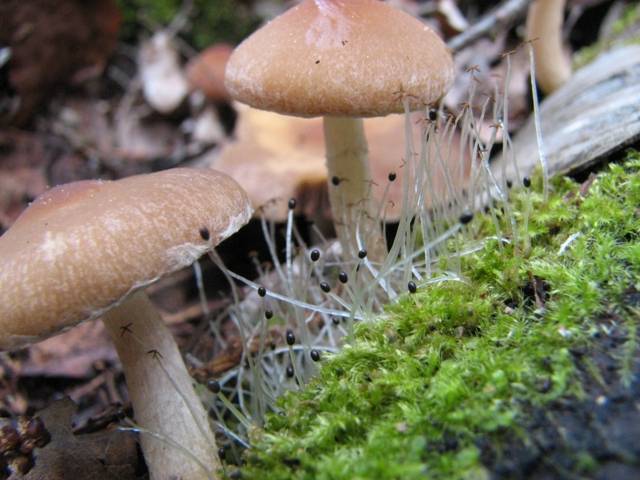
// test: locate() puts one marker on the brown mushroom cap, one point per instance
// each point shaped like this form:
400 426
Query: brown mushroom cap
81 248
355 58
205 72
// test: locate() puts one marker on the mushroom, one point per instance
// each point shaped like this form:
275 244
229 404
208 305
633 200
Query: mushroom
86 250
342 60
544 27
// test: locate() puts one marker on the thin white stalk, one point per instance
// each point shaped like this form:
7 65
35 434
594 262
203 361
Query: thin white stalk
291 301
347 159
202 295
536 120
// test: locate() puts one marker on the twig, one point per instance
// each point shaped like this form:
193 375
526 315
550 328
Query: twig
192 311
501 17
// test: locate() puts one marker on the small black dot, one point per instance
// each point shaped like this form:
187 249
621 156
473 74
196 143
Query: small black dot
335 181
343 277
326 288
268 314
412 286
465 218
221 453
336 321
317 62
433 115
315 355
290 371
526 181
262 291
292 203
315 255
362 253
291 338
204 233
213 386
392 176
509 184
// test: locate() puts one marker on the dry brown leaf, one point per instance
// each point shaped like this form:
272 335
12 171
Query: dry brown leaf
22 172
109 455
55 43
71 354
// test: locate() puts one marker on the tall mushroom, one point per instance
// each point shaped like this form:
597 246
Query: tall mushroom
86 250
544 27
342 60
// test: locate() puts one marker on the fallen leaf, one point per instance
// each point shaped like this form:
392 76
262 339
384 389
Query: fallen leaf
71 354
108 455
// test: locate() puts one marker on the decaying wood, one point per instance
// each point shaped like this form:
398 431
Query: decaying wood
595 114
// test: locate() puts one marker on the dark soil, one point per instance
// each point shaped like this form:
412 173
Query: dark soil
591 435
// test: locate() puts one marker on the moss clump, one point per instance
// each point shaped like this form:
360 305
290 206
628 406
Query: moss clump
217 21
468 379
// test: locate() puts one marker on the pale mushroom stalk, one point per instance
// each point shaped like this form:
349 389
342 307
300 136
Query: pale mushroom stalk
544 27
161 393
351 202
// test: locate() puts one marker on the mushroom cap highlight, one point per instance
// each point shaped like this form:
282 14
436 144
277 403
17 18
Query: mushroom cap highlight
353 58
82 248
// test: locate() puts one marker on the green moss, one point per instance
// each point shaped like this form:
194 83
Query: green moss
460 365
211 21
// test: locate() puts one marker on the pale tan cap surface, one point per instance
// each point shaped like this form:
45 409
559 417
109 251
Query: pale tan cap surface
81 247
340 58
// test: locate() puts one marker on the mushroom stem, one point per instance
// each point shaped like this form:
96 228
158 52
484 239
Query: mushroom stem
161 391
351 203
544 26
